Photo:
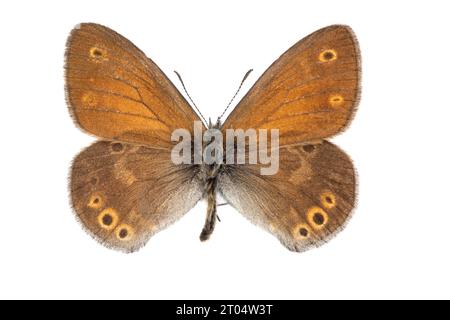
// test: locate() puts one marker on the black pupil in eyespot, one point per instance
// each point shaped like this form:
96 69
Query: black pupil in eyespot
328 55
107 220
123 233
303 232
318 219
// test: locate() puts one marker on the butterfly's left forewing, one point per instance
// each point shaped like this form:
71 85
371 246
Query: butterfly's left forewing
115 92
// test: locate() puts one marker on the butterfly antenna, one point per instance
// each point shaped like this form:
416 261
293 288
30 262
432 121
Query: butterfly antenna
192 101
237 91
222 204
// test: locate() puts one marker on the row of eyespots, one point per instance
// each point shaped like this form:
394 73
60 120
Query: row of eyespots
316 217
328 55
108 218
97 55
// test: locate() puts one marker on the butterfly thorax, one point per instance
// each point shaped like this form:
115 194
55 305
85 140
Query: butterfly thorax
210 173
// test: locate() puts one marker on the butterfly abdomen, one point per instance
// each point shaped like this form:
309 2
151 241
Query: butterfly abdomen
210 178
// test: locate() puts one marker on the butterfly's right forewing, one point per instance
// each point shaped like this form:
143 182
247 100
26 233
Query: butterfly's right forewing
309 93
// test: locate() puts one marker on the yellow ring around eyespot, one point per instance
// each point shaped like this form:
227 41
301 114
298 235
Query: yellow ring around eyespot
336 100
297 233
97 54
129 230
310 217
114 216
96 201
328 199
328 55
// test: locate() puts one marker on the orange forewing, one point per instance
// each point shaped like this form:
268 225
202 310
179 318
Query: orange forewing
115 92
309 93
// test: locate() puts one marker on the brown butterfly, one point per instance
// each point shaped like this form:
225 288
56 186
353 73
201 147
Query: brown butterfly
125 188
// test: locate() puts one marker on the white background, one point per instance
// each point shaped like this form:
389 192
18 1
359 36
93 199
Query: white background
397 244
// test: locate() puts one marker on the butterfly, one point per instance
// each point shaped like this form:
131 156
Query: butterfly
124 188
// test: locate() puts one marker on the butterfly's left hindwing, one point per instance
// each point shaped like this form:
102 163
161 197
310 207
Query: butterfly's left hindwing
123 194
305 203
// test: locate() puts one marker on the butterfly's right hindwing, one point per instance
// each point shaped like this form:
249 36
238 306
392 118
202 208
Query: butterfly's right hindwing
305 203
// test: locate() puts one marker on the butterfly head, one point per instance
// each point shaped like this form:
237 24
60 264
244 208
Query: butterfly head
217 125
